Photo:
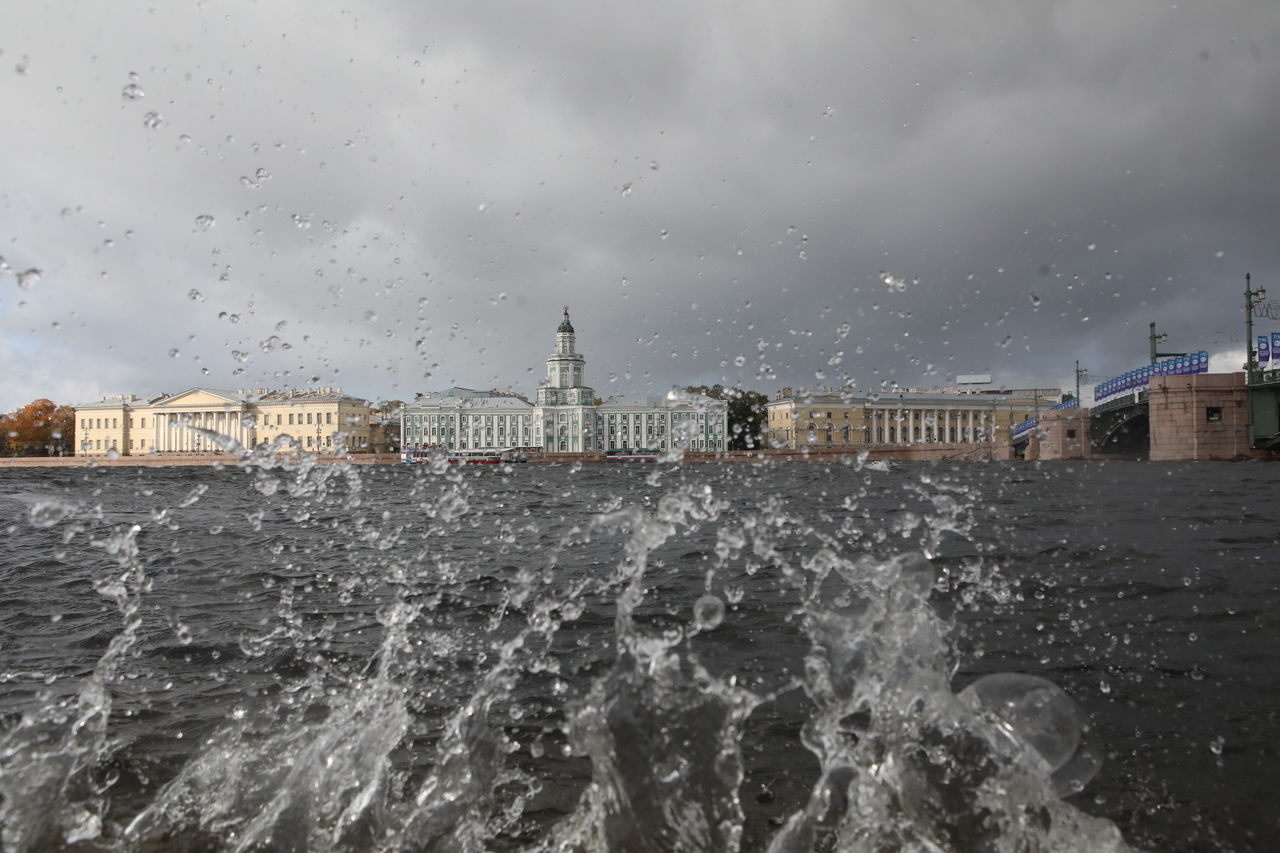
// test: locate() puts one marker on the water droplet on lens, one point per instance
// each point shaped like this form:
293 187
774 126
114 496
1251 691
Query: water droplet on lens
204 222
152 120
132 92
708 613
195 295
626 190
29 278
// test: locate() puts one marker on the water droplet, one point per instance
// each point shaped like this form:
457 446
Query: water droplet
1035 300
23 66
29 278
828 111
113 453
152 120
708 613
303 222
239 355
1008 339
175 353
1091 246
740 360
897 284
842 331
195 295
653 165
270 344
1215 745
663 234
132 92
626 190
47 513
204 222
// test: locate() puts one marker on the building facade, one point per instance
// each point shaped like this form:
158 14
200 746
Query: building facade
846 420
320 420
567 417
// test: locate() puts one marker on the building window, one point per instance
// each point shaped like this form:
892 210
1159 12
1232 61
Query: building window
1071 433
308 418
1213 414
291 419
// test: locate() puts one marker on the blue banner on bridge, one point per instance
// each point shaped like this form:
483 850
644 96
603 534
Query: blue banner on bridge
1264 349
1136 380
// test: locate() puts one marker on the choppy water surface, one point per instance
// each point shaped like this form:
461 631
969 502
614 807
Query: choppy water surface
698 657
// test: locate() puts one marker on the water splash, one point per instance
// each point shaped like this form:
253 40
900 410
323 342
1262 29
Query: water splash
586 684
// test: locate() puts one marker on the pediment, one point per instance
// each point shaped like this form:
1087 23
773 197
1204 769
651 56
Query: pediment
200 397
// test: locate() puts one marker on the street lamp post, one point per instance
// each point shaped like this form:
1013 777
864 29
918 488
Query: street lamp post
1155 338
1251 298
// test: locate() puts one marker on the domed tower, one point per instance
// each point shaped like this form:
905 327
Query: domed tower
565 370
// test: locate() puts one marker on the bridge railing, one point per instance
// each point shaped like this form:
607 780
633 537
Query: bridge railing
1140 378
1018 430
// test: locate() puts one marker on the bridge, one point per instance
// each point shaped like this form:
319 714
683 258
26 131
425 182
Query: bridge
1121 425
1264 410
1172 410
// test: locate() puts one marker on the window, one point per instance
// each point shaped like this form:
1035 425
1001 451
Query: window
1213 414
1071 433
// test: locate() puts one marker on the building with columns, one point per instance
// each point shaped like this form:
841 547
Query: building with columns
318 420
830 419
567 417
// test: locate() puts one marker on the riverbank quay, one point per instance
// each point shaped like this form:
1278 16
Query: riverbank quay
889 453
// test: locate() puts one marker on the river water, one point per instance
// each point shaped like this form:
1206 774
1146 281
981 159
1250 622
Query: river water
640 657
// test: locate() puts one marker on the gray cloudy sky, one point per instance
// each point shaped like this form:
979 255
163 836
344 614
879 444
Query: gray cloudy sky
403 196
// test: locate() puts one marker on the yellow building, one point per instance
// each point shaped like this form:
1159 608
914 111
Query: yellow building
834 420
317 420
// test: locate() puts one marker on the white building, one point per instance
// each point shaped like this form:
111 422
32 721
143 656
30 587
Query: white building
567 418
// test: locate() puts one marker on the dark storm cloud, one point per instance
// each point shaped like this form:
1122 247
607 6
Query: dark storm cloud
714 189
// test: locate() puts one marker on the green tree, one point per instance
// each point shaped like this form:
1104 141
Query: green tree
41 428
747 413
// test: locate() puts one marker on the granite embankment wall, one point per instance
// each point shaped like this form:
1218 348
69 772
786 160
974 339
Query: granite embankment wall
908 453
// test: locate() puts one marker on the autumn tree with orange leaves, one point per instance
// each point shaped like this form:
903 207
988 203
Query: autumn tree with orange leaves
40 428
